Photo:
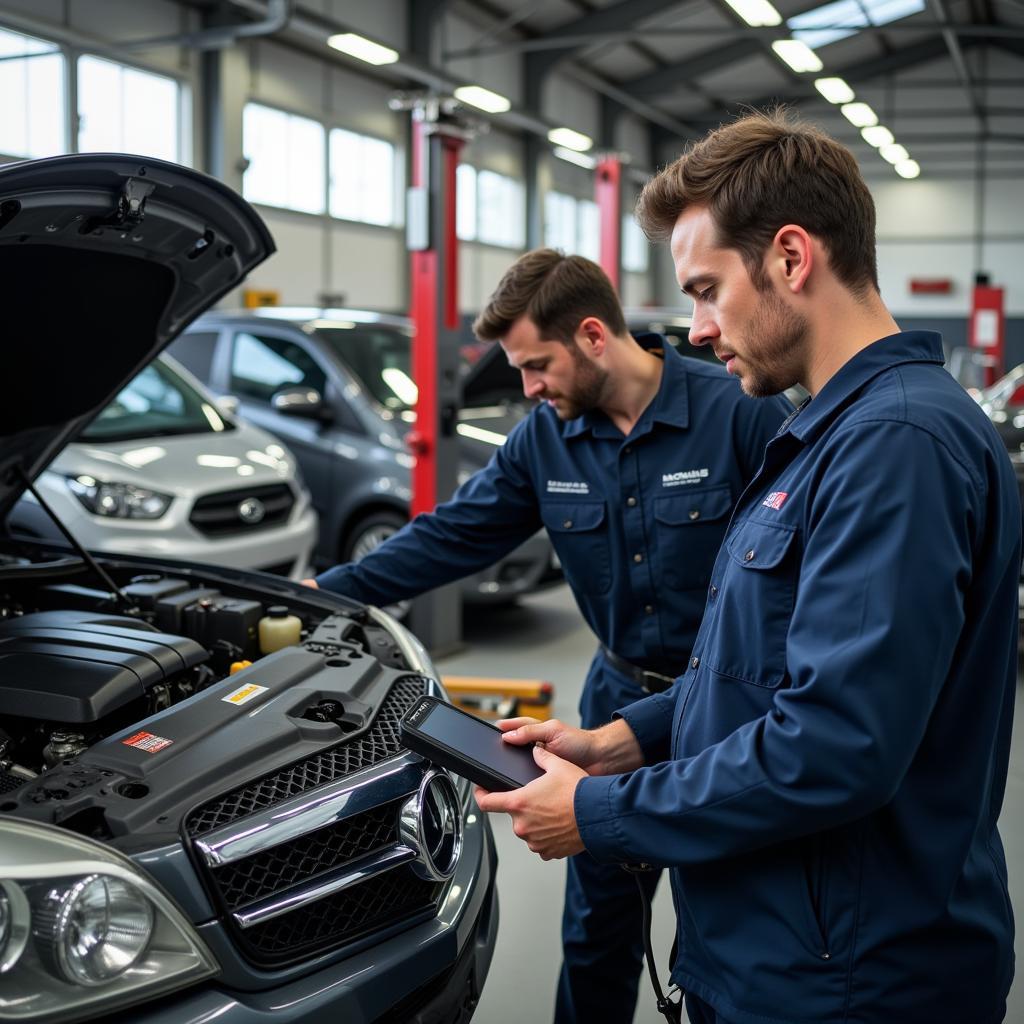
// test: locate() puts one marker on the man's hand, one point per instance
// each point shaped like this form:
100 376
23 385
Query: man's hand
311 583
568 743
542 812
606 751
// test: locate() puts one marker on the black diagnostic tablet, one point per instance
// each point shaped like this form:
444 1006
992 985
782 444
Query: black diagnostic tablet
467 746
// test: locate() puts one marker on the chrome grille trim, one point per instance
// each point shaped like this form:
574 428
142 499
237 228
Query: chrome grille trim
350 874
307 812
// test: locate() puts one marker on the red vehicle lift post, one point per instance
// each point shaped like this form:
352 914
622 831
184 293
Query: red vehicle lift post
608 196
437 139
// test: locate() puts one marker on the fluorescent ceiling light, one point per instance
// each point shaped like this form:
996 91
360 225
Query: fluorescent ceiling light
570 139
908 169
799 56
877 135
859 114
756 12
572 157
483 99
363 49
895 153
835 90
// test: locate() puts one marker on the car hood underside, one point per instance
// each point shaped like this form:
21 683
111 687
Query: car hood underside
103 260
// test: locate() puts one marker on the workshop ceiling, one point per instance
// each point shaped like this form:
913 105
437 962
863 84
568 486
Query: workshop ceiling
947 78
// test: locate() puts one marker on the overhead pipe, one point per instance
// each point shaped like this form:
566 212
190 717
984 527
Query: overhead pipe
277 15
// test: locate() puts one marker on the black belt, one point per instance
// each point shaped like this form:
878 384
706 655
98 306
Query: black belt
651 682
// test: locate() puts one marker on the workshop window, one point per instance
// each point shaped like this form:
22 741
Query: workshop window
816 27
465 202
125 110
636 250
362 178
286 159
572 225
490 208
32 111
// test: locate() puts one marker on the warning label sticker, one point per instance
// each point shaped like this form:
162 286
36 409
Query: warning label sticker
244 693
147 741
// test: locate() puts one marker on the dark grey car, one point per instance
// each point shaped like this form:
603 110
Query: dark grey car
206 813
335 386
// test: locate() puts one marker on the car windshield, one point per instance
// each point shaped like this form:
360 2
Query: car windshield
380 357
156 403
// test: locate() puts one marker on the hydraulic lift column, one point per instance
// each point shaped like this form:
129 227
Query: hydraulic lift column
608 196
437 139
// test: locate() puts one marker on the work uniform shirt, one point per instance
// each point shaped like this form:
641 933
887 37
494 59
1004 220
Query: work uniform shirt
834 758
634 521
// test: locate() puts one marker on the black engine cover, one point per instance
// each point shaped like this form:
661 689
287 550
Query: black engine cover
77 667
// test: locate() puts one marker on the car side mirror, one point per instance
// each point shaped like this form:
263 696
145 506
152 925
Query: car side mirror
300 401
228 404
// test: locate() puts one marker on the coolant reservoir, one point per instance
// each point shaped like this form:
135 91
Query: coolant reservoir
278 629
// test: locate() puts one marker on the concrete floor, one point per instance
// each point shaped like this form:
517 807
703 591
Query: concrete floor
544 637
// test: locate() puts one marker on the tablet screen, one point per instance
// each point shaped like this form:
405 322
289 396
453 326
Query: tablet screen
480 742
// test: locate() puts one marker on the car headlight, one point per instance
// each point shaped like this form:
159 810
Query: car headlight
118 501
83 932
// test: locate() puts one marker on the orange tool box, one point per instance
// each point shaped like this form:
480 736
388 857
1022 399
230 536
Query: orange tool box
500 698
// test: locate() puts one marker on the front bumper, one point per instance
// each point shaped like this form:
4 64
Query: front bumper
429 974
286 548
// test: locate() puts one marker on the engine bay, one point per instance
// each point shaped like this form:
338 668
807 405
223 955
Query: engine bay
120 711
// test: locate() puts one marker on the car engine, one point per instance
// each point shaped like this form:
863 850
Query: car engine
119 710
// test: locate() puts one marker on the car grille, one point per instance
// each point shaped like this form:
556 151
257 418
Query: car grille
242 510
377 744
395 896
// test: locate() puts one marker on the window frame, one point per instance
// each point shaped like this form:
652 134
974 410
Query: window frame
183 105
397 204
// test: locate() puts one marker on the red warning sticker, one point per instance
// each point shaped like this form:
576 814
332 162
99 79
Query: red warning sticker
147 741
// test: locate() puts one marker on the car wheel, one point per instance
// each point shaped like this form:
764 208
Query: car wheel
368 534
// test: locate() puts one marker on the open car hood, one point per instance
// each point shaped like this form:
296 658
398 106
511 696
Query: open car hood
104 258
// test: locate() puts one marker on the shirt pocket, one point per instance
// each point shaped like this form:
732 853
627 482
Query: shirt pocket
579 533
688 532
755 603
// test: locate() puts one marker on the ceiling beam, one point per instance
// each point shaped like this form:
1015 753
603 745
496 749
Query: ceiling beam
956 54
563 45
615 18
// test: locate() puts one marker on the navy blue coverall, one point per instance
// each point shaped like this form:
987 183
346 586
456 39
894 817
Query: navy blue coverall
825 778
636 523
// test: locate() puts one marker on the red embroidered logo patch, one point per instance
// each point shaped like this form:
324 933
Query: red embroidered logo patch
775 500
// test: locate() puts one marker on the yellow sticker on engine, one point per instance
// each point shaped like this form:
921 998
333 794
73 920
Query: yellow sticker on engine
244 693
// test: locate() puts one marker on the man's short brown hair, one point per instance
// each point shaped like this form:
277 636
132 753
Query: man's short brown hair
556 292
761 172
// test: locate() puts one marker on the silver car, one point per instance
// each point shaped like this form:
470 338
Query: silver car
163 471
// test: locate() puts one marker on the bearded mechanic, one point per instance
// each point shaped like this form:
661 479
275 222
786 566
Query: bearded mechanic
633 461
825 778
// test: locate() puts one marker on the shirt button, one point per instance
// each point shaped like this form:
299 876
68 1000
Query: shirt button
695 513
631 502
649 609
568 524
714 591
694 662
638 558
628 450
749 556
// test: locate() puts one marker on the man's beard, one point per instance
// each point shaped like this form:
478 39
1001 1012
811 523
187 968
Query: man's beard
776 344
588 388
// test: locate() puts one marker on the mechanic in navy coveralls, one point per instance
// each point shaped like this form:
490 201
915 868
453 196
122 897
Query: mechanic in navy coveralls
825 778
633 460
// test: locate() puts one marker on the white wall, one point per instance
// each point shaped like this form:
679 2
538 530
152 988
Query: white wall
927 229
